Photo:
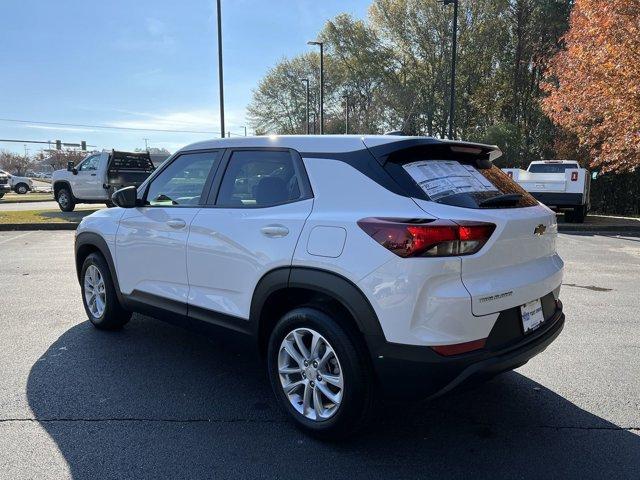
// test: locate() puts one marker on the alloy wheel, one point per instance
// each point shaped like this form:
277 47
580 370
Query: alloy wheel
63 199
94 291
310 374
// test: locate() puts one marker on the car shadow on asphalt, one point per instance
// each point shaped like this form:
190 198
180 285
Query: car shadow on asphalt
157 401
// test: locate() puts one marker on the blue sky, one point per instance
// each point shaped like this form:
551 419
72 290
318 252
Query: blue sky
142 64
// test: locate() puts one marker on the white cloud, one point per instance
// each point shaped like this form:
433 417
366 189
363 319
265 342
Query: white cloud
155 36
206 120
60 128
155 27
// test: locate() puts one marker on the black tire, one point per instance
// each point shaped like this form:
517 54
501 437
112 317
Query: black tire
1 194
568 216
114 316
65 200
358 396
21 188
579 214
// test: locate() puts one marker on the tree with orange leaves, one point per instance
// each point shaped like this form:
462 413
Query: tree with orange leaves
594 82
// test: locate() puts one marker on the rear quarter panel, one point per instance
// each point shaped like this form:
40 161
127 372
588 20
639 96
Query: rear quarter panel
419 301
342 196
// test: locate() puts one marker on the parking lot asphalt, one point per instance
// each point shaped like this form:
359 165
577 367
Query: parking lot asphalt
157 401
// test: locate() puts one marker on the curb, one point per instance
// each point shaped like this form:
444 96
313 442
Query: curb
617 229
5 227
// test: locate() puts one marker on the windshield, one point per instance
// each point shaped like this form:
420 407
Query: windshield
551 167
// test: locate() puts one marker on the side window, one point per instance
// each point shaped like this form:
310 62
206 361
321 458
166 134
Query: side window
259 179
90 163
182 182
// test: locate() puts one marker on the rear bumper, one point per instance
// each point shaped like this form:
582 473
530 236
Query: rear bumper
551 199
406 371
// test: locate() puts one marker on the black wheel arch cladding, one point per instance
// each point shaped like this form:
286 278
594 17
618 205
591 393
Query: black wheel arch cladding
322 281
89 242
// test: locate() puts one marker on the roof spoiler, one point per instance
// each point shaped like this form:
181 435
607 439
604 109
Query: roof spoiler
382 151
397 133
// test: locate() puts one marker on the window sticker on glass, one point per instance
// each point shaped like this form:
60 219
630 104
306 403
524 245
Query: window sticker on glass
441 178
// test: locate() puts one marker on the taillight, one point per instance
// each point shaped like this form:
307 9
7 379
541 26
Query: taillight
428 238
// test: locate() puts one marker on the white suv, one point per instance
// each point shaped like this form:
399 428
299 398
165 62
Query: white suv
361 266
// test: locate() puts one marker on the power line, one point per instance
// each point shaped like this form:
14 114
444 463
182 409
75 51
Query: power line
109 127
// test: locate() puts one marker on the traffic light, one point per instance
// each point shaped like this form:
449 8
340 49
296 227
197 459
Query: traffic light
58 145
83 145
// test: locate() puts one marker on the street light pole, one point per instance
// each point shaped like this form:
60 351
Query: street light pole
346 114
220 73
321 45
452 98
306 82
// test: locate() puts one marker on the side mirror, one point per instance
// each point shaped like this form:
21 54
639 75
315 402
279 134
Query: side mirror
126 197
70 166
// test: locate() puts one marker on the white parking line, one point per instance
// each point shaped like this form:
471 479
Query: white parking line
13 238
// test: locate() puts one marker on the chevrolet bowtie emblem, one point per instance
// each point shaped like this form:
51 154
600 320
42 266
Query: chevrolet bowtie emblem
539 230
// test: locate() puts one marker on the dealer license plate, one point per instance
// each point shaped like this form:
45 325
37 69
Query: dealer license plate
532 316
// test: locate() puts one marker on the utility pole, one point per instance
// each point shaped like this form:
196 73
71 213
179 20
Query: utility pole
220 73
454 43
306 82
146 144
321 45
245 131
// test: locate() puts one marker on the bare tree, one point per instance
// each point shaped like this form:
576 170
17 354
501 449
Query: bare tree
59 159
14 163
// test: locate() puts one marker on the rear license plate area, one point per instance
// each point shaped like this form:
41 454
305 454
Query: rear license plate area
532 315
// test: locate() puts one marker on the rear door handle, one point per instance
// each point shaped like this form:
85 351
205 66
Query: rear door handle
176 223
274 231
93 174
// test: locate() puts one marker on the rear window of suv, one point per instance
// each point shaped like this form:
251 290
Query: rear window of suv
551 167
462 180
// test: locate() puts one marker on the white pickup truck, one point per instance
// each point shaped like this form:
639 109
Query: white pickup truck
5 183
18 184
560 184
96 177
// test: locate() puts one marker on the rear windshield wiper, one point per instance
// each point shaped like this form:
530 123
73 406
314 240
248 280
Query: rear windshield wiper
506 199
